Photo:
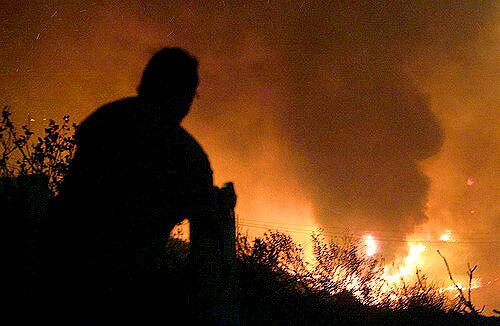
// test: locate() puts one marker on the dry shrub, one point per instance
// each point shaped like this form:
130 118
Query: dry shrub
49 155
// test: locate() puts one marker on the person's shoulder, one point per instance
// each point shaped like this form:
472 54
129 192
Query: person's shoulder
112 109
108 113
184 137
191 145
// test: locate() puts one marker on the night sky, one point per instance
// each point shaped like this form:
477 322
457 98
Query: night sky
377 117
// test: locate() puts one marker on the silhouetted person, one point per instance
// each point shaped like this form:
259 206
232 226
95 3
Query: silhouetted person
136 174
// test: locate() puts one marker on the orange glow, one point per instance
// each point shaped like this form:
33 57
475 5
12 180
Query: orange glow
371 245
181 231
277 114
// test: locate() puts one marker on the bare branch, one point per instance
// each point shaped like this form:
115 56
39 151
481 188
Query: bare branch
463 300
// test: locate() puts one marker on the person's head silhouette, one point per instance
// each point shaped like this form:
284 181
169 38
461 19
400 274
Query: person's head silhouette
170 77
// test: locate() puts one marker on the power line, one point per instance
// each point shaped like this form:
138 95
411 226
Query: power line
378 238
310 226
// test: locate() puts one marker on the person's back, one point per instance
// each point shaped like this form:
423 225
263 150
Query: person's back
136 173
131 162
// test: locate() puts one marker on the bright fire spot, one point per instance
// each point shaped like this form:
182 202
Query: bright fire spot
446 236
412 260
371 245
470 181
410 264
474 284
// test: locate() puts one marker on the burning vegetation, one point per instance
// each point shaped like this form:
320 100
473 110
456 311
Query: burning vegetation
342 284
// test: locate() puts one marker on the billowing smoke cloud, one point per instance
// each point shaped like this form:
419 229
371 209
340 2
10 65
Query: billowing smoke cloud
373 113
358 147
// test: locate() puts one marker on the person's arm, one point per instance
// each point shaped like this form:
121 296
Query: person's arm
213 258
210 212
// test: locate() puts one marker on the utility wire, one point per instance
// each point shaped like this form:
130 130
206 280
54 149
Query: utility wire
378 238
273 222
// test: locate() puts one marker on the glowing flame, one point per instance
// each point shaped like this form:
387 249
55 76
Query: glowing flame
412 260
446 236
474 284
371 245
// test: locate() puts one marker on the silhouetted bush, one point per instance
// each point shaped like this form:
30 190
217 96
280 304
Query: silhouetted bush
277 287
49 155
